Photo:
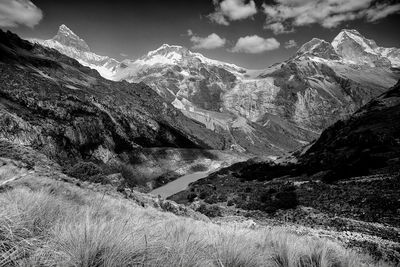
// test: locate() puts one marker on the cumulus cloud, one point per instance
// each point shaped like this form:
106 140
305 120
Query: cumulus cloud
327 13
212 41
19 12
229 10
290 44
255 44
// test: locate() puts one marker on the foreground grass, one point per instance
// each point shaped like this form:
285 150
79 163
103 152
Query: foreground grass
62 225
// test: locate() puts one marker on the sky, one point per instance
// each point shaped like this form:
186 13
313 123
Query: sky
250 33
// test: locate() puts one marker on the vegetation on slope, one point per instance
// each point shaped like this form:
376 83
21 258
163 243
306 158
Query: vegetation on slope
44 222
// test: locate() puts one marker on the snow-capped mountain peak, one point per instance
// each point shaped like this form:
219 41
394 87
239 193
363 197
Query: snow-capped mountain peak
175 54
346 35
166 49
357 49
70 44
67 37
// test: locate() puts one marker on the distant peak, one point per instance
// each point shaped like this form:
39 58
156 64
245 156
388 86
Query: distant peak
318 47
64 27
353 36
353 31
64 30
166 48
67 37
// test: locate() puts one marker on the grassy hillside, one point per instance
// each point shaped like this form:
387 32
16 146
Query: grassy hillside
45 221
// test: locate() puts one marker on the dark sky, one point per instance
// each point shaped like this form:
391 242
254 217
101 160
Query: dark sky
134 27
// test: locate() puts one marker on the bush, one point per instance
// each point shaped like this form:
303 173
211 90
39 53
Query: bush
286 200
131 176
210 210
191 197
84 170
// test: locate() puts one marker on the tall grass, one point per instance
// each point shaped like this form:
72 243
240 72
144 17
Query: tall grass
59 225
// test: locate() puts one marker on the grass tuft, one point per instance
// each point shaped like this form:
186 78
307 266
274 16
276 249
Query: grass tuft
62 225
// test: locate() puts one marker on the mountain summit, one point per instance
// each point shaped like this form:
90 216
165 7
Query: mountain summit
68 38
70 44
319 48
357 49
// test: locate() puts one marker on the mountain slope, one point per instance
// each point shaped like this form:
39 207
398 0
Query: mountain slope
68 43
70 113
370 139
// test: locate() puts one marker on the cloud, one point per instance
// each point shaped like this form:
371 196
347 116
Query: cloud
382 11
327 13
212 41
277 28
290 44
19 12
255 45
123 55
229 10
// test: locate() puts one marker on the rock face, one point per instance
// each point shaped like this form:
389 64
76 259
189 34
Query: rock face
368 139
270 111
70 44
69 112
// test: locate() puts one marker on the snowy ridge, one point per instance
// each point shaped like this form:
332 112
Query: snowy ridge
173 54
70 44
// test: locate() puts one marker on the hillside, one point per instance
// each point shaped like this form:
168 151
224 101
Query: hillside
48 218
50 102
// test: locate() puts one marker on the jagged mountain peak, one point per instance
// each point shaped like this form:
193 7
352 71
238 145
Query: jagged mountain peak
319 48
357 49
63 29
174 54
67 37
166 50
351 35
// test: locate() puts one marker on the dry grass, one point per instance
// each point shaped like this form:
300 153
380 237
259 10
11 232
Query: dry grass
60 225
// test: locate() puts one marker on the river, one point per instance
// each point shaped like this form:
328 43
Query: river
179 184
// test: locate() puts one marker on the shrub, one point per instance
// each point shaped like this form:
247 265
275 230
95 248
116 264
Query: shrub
132 176
210 210
191 197
48 228
286 200
84 170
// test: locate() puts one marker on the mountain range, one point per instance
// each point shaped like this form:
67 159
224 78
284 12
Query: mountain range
70 113
265 112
